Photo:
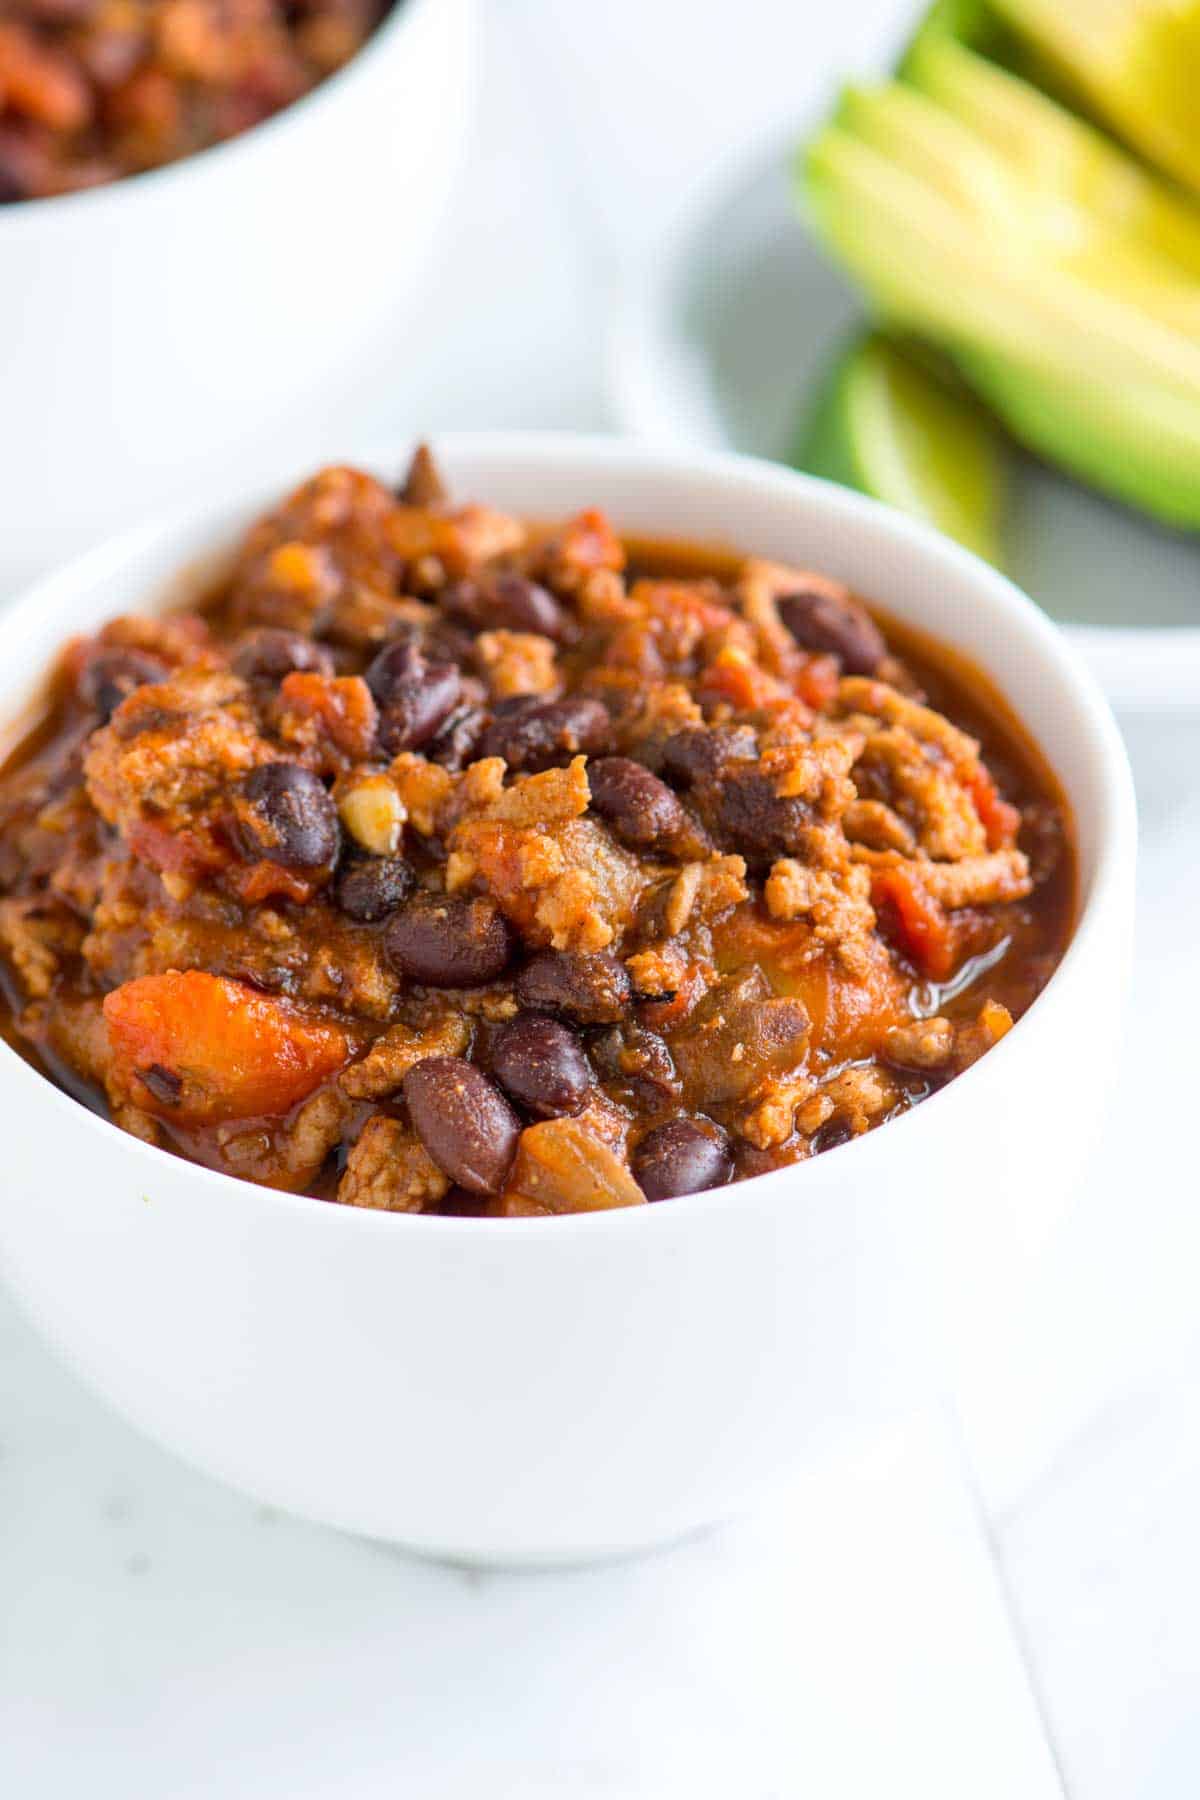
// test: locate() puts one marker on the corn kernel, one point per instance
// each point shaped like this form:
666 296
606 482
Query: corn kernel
373 813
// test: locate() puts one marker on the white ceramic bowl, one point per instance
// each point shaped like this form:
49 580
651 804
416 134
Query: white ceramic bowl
166 330
560 1389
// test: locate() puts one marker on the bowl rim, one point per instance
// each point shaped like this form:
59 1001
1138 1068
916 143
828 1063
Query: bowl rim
1116 823
151 184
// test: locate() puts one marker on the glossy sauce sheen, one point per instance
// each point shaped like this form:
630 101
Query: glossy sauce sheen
439 862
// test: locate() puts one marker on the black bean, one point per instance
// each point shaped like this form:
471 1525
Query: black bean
272 652
507 602
458 1203
444 641
423 484
831 1134
285 815
12 187
590 988
539 734
393 667
639 808
464 1122
700 751
370 889
110 676
411 718
415 696
841 627
746 814
456 743
518 604
446 941
463 602
681 1157
541 1064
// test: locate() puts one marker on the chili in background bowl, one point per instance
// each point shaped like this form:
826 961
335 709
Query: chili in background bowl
166 329
91 92
557 1389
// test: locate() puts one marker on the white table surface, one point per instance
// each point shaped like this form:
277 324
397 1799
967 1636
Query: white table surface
138 1602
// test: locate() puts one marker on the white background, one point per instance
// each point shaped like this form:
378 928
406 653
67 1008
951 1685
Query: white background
138 1601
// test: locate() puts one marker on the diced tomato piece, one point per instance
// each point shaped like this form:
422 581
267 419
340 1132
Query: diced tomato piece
589 542
922 924
199 1048
816 681
343 707
736 678
1000 820
187 851
671 601
255 882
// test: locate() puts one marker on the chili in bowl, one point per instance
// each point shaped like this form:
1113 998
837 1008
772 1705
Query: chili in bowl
666 936
436 861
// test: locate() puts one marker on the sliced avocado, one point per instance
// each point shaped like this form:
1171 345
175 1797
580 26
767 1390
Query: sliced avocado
1058 155
966 20
1136 62
1061 284
885 424
978 26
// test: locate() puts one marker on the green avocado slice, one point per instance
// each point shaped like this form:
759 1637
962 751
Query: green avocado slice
1061 158
1062 279
1135 63
886 425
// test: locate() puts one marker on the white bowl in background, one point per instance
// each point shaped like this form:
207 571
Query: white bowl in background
717 342
562 1389
163 333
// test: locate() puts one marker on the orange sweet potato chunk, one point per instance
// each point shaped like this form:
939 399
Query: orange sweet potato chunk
341 707
199 1049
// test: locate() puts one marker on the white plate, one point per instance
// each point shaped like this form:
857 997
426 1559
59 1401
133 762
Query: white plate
717 342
